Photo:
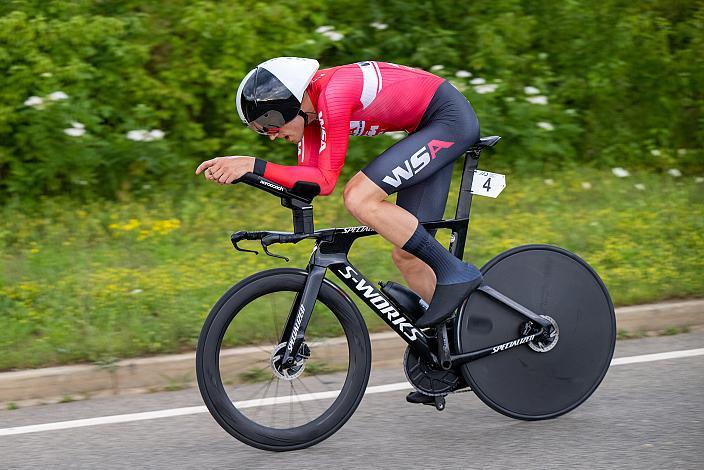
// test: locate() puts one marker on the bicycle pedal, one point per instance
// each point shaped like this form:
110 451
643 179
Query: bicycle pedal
437 401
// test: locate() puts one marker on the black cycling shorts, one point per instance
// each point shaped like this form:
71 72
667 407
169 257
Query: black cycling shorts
419 167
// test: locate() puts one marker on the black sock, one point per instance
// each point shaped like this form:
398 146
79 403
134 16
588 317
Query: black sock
447 268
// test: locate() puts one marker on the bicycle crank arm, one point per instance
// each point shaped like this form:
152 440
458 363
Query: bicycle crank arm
478 354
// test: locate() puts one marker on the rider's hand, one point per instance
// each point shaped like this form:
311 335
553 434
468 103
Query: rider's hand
225 170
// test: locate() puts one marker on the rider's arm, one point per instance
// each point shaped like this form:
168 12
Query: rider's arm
334 109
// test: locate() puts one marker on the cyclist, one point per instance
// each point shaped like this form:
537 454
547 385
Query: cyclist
290 98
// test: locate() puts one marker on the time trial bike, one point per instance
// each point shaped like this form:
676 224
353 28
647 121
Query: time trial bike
533 341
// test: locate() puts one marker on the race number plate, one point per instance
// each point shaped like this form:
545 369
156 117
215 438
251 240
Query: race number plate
486 183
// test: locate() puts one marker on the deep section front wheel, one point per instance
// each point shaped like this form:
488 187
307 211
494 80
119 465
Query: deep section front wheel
538 380
247 389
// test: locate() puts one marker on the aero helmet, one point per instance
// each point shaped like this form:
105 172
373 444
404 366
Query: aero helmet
270 95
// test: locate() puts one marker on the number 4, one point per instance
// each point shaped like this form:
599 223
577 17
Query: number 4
487 185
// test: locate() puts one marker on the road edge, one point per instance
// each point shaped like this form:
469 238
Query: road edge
174 372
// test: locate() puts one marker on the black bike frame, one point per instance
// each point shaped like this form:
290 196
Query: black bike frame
330 252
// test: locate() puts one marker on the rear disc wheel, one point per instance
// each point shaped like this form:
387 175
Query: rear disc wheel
552 374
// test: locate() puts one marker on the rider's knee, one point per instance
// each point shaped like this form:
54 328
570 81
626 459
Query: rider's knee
355 199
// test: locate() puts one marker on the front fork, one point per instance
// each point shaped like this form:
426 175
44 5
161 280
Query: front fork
300 313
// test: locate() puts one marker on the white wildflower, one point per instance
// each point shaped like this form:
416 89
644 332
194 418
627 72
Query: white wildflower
639 187
33 101
586 185
477 81
483 89
549 181
540 99
531 90
46 75
655 152
436 68
699 179
77 125
323 29
138 135
57 96
334 35
74 132
136 291
546 125
681 151
674 172
156 134
620 172
463 74
380 26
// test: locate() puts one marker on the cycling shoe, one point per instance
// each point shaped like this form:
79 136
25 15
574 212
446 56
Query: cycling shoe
419 397
446 299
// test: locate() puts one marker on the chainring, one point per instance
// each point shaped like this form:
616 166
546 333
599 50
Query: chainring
427 379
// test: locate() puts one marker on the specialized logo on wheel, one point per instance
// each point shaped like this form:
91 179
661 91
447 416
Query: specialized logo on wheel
416 163
380 303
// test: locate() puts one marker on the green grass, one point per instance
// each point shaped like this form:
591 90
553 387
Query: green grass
102 281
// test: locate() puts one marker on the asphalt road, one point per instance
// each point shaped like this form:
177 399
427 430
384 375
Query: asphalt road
644 416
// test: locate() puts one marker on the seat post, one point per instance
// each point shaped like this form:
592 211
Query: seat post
464 202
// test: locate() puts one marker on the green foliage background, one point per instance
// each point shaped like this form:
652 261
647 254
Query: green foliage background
624 80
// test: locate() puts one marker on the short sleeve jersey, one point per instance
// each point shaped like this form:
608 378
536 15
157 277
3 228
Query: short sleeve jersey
366 98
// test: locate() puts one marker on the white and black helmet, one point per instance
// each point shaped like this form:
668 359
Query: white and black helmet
270 95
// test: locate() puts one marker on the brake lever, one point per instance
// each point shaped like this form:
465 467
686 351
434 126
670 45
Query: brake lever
238 237
268 240
266 250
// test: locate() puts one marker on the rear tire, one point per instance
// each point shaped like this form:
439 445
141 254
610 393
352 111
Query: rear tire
521 382
233 411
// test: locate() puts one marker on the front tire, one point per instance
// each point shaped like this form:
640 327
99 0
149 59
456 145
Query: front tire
227 385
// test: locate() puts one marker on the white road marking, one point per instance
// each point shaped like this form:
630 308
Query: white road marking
125 418
619 361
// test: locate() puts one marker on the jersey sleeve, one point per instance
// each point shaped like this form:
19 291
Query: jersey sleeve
321 155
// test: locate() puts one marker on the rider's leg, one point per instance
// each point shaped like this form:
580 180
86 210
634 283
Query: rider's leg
455 279
426 201
418 275
448 128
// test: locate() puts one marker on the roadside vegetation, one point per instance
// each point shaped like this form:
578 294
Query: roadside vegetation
108 280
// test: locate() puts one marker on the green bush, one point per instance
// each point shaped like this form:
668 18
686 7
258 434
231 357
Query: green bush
621 81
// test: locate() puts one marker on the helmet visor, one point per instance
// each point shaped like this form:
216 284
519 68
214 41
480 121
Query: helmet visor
269 122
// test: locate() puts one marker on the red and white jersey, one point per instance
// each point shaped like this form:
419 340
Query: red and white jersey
366 98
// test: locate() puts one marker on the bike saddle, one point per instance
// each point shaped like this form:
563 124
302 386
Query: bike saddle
485 142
